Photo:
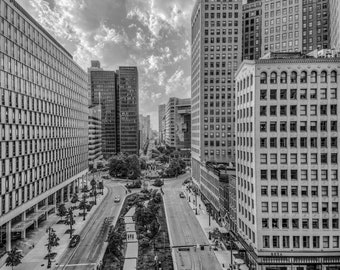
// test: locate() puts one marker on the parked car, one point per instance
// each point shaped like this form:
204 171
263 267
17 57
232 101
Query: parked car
117 199
74 241
181 195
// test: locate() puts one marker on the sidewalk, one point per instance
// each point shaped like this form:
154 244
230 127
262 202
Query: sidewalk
222 254
34 255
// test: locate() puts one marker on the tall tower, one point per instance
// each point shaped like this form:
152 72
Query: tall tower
335 23
216 46
104 91
129 110
161 113
252 26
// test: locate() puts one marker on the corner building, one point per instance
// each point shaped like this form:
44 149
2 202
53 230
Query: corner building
43 121
287 128
216 46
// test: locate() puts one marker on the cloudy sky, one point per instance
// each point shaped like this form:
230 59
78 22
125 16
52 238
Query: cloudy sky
151 34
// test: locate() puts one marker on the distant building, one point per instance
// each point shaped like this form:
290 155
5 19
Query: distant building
252 27
161 113
178 123
335 23
95 134
129 110
287 161
103 90
145 130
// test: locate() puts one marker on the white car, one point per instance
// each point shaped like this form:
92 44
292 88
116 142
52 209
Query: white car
117 199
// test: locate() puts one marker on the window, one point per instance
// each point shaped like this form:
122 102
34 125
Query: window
283 77
275 207
313 77
276 241
273 78
333 76
263 78
266 241
283 94
323 77
303 77
295 207
265 223
293 77
264 207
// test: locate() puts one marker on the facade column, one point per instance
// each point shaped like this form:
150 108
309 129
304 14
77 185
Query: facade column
62 195
68 192
23 232
8 235
55 198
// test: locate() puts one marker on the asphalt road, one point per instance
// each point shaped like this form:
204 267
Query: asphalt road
85 255
185 231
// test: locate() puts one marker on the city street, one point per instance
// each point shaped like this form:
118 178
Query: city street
91 246
185 231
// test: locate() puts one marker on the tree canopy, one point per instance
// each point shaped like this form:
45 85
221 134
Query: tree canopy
125 166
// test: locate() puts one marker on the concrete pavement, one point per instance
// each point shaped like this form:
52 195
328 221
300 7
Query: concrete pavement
34 259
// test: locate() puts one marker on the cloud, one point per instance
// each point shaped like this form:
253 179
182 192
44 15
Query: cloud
151 34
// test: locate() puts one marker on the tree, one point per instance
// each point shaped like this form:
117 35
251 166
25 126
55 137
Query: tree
74 198
143 165
133 167
101 186
61 210
70 220
115 240
117 166
94 189
83 204
14 258
52 241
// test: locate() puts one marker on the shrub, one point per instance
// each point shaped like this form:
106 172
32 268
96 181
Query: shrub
145 242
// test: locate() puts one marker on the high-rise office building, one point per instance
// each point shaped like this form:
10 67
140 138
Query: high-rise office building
129 110
315 25
178 123
95 135
334 6
252 26
287 164
281 26
103 90
145 130
216 46
161 113
43 122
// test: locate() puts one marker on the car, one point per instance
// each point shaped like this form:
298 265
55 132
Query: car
74 241
117 199
181 195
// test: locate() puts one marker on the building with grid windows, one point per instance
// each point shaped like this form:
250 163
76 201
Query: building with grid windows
216 46
95 135
104 91
178 123
335 23
315 25
281 26
128 110
252 26
287 163
161 113
43 122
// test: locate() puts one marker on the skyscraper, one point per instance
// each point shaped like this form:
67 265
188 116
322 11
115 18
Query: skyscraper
281 26
104 91
95 134
252 26
216 45
43 121
161 113
287 119
335 23
129 110
315 25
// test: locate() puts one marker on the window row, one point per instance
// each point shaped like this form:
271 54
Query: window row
273 126
295 223
313 191
299 207
304 175
302 94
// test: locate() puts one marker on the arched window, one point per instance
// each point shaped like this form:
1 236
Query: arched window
273 78
323 76
251 79
241 85
244 83
303 77
313 77
238 86
283 77
293 77
263 78
248 81
334 76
